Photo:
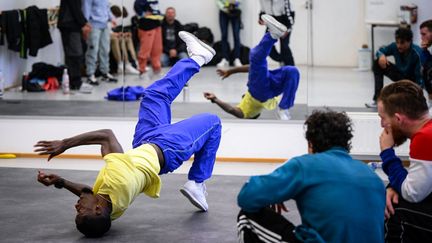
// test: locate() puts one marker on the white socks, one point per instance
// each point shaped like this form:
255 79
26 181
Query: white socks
198 59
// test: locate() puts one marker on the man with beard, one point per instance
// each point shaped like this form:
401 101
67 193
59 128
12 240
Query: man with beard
404 115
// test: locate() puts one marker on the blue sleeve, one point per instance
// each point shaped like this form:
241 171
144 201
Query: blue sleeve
425 56
281 185
394 169
386 50
86 8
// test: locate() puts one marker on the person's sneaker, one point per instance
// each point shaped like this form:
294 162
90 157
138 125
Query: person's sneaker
157 75
237 63
276 29
371 105
130 69
222 64
92 80
196 193
196 47
107 77
284 114
86 88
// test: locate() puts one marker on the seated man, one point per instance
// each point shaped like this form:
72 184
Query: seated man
159 147
263 85
122 43
426 43
339 199
174 48
404 115
407 62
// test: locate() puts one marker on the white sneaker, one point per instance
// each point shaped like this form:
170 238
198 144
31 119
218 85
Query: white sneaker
196 193
223 64
371 105
276 29
86 88
131 70
92 80
157 76
120 67
195 47
284 114
237 63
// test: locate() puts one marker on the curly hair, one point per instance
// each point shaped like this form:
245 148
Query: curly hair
327 129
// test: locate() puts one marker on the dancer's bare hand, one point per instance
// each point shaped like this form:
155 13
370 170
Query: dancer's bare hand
52 148
392 197
47 179
209 96
223 73
279 208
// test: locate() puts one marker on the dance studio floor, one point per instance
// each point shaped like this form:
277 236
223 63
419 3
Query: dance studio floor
32 212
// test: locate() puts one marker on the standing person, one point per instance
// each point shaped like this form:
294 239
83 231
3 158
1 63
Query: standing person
263 85
99 15
339 199
229 11
73 26
404 115
174 48
426 42
149 34
282 11
159 147
407 62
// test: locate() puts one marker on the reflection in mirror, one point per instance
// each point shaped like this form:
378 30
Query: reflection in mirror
142 48
345 45
55 58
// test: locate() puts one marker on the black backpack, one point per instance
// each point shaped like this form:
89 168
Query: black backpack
205 34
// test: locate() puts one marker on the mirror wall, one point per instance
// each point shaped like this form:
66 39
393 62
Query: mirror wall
345 36
332 43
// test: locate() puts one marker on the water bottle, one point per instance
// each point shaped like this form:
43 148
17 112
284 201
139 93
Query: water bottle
186 93
375 165
1 85
65 82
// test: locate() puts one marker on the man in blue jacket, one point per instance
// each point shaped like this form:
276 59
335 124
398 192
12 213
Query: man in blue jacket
407 62
426 43
339 199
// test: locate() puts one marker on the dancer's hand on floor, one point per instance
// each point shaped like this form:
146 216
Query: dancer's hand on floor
223 73
52 148
47 179
210 96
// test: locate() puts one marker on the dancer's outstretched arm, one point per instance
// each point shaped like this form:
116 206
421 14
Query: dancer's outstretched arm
226 73
59 182
235 111
104 137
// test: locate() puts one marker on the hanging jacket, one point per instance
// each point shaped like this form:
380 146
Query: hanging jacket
11 29
37 29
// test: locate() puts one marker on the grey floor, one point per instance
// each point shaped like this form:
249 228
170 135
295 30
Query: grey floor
32 212
339 88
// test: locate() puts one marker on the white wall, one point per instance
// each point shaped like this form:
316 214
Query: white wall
240 139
